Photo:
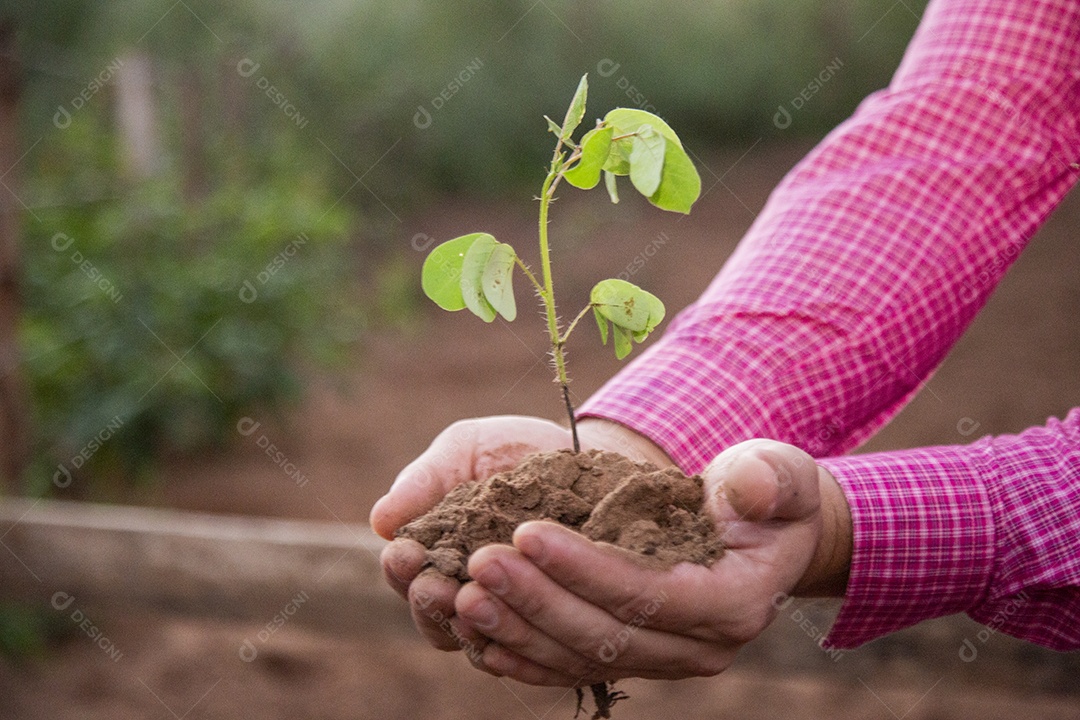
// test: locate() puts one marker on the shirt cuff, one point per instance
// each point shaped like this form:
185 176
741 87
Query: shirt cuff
923 539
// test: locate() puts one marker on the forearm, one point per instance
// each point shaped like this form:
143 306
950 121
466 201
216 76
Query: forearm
989 529
877 251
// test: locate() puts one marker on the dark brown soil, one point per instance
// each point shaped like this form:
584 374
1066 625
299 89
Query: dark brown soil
658 514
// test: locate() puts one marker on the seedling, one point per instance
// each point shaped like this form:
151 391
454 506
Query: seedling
476 271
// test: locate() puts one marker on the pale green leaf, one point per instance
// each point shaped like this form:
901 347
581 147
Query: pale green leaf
498 281
441 275
553 126
594 153
647 160
623 342
576 112
612 188
602 323
618 159
472 274
628 120
680 184
626 305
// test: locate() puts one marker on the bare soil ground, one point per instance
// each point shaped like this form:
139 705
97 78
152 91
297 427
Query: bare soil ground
355 431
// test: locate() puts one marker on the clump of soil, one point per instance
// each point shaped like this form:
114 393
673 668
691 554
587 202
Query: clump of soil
658 514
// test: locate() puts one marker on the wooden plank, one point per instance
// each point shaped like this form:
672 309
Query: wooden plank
118 559
326 576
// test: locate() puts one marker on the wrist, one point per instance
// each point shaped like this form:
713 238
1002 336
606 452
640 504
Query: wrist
827 574
602 434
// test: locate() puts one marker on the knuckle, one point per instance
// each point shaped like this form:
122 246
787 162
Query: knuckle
514 635
531 605
748 629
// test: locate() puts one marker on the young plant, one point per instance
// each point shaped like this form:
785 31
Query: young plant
476 271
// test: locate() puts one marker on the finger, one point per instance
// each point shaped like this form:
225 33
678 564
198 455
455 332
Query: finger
467 450
431 600
447 462
401 562
682 599
548 609
472 644
502 662
763 480
489 615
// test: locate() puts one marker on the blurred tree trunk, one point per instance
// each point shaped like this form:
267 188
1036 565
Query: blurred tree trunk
233 98
192 102
136 115
14 408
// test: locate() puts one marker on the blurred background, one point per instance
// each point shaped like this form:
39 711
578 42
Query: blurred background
212 220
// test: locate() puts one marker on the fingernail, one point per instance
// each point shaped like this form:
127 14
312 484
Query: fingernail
493 577
531 547
481 614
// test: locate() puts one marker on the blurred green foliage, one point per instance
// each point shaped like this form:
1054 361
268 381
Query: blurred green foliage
361 71
25 630
154 322
312 118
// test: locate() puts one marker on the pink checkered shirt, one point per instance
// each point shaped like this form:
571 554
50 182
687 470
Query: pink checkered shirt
868 262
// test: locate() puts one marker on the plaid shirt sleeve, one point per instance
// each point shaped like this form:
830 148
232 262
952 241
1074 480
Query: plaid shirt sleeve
868 262
989 529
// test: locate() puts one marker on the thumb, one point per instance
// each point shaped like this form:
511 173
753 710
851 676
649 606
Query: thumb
763 480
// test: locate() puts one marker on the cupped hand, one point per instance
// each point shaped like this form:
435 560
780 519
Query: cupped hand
559 609
472 450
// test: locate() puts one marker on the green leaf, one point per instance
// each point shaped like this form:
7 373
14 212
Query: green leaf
576 112
498 281
595 147
553 127
680 184
613 190
627 306
628 120
623 342
472 274
618 160
647 160
602 323
441 275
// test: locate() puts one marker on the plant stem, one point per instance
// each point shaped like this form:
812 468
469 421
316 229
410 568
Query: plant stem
548 296
528 273
570 329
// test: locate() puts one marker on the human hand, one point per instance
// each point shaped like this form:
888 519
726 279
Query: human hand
473 450
559 609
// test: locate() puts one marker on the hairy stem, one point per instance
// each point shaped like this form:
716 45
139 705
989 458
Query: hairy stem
548 295
570 328
528 273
